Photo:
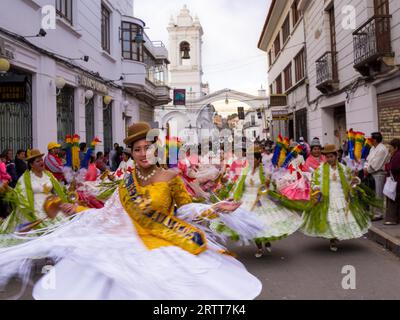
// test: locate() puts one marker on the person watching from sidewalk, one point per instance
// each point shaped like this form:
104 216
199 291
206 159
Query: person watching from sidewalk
113 153
20 164
53 163
82 151
392 216
10 166
306 149
100 164
375 166
5 178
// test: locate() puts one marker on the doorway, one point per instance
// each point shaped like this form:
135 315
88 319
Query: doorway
339 116
15 110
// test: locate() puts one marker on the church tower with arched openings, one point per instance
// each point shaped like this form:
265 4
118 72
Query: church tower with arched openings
185 54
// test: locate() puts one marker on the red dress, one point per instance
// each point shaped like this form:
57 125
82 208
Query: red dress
91 174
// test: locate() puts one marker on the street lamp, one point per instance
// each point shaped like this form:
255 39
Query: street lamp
107 100
88 96
125 106
139 38
42 33
60 84
4 65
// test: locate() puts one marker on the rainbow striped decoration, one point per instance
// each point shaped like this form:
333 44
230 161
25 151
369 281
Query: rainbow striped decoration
366 149
75 152
68 141
284 151
173 145
281 150
351 141
277 152
294 153
89 152
358 146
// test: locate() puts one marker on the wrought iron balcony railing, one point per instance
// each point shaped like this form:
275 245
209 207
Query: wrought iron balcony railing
327 70
372 40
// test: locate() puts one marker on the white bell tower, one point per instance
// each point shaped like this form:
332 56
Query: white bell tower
185 54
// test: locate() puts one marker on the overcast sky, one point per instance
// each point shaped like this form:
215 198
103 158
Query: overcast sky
232 29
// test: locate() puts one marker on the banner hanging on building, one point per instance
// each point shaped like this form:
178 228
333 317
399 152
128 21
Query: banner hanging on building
179 97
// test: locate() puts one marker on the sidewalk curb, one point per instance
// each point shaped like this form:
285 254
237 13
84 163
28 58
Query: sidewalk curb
384 239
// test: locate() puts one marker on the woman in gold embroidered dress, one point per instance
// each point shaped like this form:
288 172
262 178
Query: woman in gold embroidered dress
135 247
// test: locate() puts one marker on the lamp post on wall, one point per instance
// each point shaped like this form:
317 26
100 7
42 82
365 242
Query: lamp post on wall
88 96
125 106
60 84
4 66
107 101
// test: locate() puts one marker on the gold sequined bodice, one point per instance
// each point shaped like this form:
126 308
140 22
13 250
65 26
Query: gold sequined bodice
164 195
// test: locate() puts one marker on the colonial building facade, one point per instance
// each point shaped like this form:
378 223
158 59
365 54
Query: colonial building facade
283 40
353 51
351 56
93 73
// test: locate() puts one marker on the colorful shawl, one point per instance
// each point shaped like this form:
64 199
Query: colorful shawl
359 199
158 229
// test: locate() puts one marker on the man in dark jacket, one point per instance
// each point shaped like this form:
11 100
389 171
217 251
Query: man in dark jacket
20 164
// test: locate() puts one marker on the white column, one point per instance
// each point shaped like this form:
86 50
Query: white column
44 104
98 122
80 125
118 124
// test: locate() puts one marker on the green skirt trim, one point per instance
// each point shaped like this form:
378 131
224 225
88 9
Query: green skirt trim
223 229
271 239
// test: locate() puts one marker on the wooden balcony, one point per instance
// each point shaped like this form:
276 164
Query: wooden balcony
372 46
277 100
327 73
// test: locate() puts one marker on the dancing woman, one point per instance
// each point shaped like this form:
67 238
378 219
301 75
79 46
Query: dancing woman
341 209
29 197
135 248
251 191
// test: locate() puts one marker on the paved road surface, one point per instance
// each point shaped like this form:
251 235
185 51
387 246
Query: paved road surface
300 267
303 268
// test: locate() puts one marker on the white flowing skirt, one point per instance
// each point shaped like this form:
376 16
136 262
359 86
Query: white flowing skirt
100 256
341 223
280 221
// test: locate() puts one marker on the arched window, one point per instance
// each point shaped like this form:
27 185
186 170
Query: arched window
184 51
